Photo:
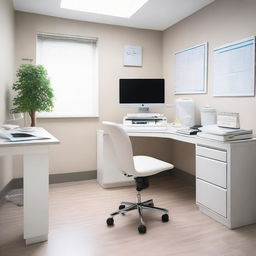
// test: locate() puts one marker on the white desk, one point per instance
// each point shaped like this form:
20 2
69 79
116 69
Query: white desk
35 183
225 174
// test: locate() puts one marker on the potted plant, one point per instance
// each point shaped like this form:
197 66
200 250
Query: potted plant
34 92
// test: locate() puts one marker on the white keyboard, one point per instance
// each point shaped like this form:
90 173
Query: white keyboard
144 115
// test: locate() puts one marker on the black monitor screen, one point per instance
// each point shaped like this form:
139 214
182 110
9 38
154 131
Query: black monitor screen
139 91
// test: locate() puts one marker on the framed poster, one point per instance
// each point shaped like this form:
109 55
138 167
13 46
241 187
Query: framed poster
191 70
133 55
234 69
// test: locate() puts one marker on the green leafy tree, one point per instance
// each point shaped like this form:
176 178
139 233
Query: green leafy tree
34 91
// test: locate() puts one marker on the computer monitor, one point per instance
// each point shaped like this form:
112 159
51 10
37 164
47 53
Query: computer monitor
141 93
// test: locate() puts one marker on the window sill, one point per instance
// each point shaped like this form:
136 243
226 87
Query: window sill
66 116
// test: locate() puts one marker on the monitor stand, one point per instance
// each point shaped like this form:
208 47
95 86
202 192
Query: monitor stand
143 110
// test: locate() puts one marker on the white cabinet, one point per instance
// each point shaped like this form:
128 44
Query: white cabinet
212 171
225 182
217 154
211 179
211 196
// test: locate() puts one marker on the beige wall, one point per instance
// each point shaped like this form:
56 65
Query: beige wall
219 23
77 151
6 75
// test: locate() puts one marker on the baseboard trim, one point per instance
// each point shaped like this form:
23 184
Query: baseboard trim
72 176
165 173
5 190
53 179
85 175
189 178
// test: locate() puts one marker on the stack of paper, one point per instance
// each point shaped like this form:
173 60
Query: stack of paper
215 132
15 135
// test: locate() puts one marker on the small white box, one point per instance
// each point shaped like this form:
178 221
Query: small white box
228 119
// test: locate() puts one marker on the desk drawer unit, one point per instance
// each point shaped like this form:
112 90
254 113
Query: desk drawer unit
211 153
212 171
211 179
211 196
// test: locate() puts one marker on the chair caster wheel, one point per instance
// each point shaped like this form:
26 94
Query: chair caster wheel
121 206
142 229
110 222
165 218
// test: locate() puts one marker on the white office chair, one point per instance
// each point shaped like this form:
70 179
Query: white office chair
138 167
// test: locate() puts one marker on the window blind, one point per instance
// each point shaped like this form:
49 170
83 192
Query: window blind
71 63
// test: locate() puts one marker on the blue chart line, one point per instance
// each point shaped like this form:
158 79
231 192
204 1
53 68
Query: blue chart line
250 40
234 48
199 46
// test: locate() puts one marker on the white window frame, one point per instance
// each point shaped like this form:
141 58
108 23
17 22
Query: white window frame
78 38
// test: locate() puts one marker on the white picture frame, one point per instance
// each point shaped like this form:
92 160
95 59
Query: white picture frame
234 69
132 56
191 70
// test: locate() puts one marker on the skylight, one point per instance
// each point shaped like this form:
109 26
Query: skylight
118 8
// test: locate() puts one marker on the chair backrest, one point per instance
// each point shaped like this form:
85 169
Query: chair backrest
122 146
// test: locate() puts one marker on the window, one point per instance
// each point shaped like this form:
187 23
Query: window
72 67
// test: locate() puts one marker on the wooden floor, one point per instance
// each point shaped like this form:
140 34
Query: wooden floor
78 212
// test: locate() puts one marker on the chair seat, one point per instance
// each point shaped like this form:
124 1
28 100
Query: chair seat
146 165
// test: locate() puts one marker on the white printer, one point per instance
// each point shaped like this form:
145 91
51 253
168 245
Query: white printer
145 120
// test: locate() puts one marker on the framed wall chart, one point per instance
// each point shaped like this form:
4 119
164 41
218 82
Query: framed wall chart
234 68
191 70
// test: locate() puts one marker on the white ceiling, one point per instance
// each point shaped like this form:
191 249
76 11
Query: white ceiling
155 14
